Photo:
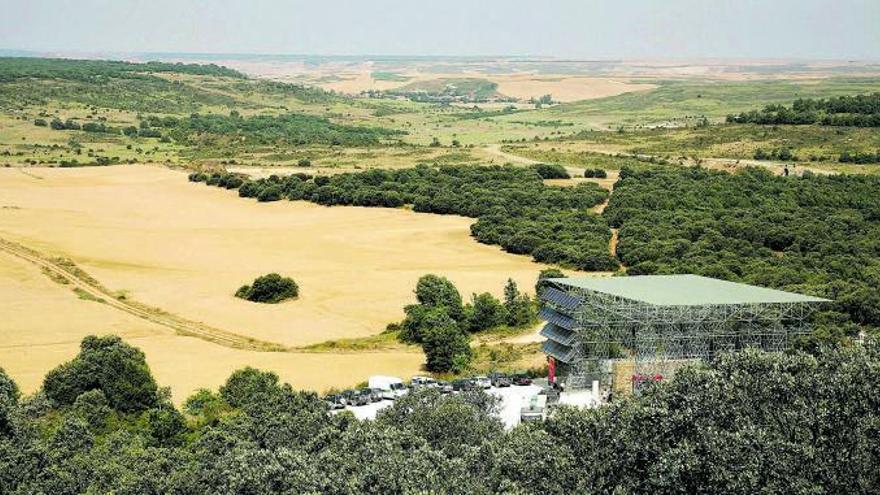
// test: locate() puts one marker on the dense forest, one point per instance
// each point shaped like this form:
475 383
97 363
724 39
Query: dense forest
513 208
290 128
858 111
12 68
137 87
814 234
744 423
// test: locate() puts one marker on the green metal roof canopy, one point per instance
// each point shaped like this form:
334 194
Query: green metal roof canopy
684 290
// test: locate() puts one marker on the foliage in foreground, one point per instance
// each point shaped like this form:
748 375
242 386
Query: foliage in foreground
514 208
747 423
271 288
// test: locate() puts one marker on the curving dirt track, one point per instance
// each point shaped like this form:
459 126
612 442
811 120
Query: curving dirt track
78 279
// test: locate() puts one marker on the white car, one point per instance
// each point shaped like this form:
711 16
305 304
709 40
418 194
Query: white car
391 387
482 382
395 391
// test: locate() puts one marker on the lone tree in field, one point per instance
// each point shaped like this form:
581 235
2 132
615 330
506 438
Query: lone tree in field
271 288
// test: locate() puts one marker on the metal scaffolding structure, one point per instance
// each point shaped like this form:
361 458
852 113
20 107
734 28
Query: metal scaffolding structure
662 322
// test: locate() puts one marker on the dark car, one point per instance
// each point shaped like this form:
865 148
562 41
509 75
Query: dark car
463 385
499 380
376 394
356 397
522 380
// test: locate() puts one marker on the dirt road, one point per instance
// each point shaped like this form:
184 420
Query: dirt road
66 272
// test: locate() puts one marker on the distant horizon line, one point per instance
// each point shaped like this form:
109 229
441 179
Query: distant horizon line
14 52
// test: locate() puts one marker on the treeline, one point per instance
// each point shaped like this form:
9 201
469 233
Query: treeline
818 235
745 423
856 111
788 155
136 87
12 68
289 128
513 208
73 125
859 157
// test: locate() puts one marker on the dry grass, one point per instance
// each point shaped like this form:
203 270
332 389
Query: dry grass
185 248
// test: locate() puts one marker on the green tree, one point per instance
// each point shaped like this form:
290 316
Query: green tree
451 423
107 364
551 171
485 312
435 291
9 395
545 274
249 385
520 308
420 319
446 348
271 288
93 408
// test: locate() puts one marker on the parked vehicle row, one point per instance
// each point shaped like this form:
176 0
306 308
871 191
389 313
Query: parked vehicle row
390 388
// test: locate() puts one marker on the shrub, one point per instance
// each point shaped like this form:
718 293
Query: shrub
271 193
271 288
551 171
595 173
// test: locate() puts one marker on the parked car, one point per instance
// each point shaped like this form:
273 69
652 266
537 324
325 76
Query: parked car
376 394
499 380
395 391
482 382
463 385
335 401
356 397
522 380
423 381
445 387
370 396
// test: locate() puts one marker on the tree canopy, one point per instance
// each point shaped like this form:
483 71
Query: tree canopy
818 235
744 423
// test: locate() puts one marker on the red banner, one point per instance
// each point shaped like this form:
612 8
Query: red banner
551 370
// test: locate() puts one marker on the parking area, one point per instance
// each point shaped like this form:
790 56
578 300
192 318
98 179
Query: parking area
516 401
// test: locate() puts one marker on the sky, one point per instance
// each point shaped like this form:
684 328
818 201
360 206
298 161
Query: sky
584 29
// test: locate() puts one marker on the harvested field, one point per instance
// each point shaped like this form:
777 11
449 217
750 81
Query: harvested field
564 89
186 248
44 322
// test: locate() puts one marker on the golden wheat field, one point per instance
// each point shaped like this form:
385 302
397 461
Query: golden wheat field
149 235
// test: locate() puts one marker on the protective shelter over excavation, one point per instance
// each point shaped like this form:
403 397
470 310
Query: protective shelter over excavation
658 322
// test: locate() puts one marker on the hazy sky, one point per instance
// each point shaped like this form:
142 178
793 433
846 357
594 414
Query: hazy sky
837 29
